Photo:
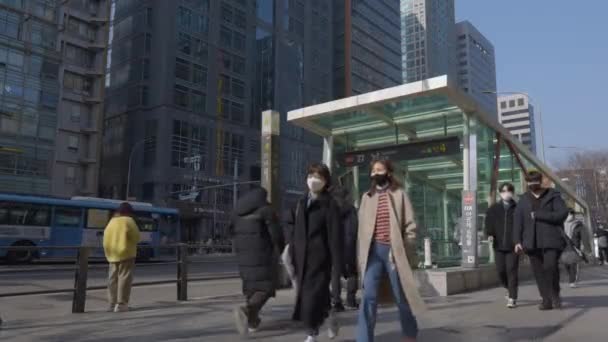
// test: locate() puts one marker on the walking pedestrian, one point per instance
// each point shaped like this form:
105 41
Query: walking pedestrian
499 227
387 251
348 225
539 217
316 250
574 230
258 240
120 240
602 243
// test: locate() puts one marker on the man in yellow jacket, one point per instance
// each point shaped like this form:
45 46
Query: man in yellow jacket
120 241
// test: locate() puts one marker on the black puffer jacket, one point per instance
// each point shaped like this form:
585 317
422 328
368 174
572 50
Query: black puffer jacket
348 229
258 240
499 225
543 230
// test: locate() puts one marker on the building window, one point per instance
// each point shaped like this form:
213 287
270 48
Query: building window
70 175
184 43
182 69
184 18
188 141
77 84
226 13
199 75
199 102
225 37
520 102
180 96
511 103
73 143
238 88
503 104
200 50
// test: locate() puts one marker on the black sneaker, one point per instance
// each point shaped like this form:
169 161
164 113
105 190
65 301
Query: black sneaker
338 307
557 303
545 307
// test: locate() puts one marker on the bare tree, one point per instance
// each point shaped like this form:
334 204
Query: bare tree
587 173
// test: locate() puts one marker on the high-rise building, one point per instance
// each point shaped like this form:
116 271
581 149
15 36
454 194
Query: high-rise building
187 82
367 45
476 65
516 114
52 55
427 39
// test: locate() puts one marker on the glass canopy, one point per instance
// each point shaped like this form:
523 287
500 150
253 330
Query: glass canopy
442 143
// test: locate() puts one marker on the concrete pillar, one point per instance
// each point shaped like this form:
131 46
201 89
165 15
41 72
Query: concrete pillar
271 123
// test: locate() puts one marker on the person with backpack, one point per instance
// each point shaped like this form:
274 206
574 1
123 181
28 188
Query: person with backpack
499 227
574 231
258 242
348 225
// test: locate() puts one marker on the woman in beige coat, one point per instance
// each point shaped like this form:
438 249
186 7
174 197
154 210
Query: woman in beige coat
387 249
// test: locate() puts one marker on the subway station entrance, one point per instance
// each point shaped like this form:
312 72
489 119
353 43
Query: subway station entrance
450 154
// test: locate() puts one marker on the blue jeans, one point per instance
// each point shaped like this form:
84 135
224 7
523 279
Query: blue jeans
378 264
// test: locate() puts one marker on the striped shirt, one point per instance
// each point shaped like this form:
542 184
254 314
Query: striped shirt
382 233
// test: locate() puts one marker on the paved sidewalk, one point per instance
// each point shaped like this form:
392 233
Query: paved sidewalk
479 316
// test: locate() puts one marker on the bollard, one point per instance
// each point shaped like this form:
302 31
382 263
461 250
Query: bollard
428 261
182 272
80 280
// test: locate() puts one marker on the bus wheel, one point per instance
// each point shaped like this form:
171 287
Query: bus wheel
20 257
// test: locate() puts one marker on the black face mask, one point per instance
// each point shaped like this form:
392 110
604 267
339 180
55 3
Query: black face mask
534 188
380 179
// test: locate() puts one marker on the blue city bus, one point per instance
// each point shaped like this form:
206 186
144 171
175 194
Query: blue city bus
46 221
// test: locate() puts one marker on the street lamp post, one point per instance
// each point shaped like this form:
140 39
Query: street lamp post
540 115
135 146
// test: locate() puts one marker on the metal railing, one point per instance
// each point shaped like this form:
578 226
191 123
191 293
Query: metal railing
83 265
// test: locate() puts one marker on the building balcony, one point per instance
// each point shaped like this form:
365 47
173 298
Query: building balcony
87 160
90 129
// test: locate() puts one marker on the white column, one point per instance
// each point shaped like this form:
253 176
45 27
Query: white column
328 151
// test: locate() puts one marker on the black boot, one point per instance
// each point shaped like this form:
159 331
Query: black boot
545 306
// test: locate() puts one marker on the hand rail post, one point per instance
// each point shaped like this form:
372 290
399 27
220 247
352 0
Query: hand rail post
80 280
182 272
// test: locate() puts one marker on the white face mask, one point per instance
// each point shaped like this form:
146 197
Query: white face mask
315 184
507 196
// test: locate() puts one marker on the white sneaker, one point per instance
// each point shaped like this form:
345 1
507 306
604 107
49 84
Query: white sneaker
573 285
334 327
311 339
511 303
121 308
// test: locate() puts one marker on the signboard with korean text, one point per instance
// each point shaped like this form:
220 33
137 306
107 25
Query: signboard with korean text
469 229
414 150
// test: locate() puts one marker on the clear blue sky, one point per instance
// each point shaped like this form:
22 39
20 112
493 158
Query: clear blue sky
557 51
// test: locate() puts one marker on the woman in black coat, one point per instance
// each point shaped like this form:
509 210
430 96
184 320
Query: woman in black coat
316 248
499 227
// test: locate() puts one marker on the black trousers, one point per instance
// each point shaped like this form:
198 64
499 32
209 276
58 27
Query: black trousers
603 255
507 266
255 303
546 272
572 272
336 289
